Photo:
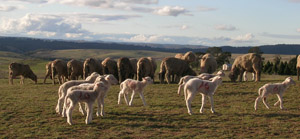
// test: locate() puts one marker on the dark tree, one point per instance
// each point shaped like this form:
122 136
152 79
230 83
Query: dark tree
255 50
215 51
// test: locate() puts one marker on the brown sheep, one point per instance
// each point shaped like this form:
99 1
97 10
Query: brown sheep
188 56
125 69
75 69
59 67
144 68
249 62
17 69
91 65
154 66
175 67
298 66
133 62
48 71
208 64
110 67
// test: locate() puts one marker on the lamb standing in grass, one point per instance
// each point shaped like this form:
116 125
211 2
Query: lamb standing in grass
203 76
273 88
86 96
62 91
133 86
206 88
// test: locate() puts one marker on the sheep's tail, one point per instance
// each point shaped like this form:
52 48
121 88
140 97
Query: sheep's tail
179 89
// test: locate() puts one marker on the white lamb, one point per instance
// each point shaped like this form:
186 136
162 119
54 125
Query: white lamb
62 91
273 88
206 88
108 80
86 96
203 76
133 86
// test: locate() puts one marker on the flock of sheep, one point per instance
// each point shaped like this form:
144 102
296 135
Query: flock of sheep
134 75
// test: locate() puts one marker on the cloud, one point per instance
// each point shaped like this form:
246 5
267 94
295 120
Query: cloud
206 9
96 18
298 30
281 36
29 1
147 38
295 1
171 11
184 27
6 8
225 27
242 38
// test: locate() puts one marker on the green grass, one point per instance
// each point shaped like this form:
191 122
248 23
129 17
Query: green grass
28 111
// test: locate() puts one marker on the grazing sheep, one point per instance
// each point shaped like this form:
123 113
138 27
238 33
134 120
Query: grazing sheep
62 91
125 69
48 71
91 65
154 66
273 88
133 86
75 69
133 62
59 67
144 68
206 88
249 62
17 69
298 66
246 78
188 56
208 64
171 66
86 96
203 76
110 67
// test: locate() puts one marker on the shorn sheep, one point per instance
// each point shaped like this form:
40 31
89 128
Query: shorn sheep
86 96
203 76
62 91
17 69
273 88
133 86
206 88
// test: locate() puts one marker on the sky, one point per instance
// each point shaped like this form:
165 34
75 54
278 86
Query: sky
192 22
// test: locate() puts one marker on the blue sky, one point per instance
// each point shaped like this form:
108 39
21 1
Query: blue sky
195 22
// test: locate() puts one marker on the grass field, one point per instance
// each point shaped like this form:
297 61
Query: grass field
28 111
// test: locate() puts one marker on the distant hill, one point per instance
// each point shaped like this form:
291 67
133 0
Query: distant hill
25 45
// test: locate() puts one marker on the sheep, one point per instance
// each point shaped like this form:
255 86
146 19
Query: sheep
136 87
133 62
17 69
59 67
91 65
75 69
246 78
86 96
108 80
273 88
110 67
48 71
62 91
144 68
206 88
125 69
208 64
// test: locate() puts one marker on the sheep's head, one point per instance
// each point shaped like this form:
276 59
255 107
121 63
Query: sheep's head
233 77
217 79
111 79
100 86
289 80
221 73
33 77
92 77
148 80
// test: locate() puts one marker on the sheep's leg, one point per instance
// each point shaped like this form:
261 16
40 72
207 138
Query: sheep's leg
22 80
59 79
60 103
102 106
280 100
89 113
81 109
203 102
119 97
10 77
142 97
188 101
167 76
69 113
245 76
253 77
212 103
126 98
264 99
256 101
241 75
132 96
179 89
